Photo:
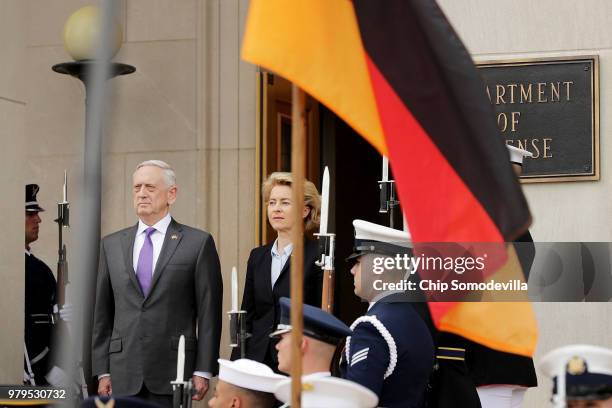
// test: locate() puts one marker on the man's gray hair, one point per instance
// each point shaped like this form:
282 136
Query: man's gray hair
168 171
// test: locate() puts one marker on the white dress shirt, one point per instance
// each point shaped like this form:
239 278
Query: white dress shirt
157 238
279 259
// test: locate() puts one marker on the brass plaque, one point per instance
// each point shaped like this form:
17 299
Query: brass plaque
549 107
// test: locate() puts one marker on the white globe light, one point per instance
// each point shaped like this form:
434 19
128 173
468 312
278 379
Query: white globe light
82 33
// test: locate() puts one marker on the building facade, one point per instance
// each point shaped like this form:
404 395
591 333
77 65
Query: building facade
193 103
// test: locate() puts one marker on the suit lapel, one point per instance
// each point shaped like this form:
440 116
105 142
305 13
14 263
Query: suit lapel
266 267
127 244
311 250
171 241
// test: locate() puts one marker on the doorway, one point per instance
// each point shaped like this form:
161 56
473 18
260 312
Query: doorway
355 169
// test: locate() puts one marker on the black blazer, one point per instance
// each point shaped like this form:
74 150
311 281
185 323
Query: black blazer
260 300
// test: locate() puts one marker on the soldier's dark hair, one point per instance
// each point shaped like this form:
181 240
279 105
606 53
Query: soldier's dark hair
260 399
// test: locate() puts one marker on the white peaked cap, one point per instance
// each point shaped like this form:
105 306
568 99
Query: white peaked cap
368 231
249 374
517 155
329 392
598 359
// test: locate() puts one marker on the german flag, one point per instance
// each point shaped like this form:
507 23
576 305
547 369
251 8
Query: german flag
396 72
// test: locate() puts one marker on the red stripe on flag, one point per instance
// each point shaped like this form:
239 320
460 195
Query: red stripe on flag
439 205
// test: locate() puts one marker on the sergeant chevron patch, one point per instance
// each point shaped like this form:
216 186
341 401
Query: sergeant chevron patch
360 356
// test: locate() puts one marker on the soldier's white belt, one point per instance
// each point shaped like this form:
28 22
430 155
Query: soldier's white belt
42 318
40 356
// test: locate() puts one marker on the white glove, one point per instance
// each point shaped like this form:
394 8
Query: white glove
57 377
66 312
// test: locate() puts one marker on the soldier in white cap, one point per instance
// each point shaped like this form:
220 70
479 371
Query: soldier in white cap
328 392
40 298
525 252
581 374
517 157
391 350
40 305
245 383
477 375
503 378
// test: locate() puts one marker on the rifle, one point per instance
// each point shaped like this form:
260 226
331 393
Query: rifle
182 389
63 221
388 202
326 249
238 332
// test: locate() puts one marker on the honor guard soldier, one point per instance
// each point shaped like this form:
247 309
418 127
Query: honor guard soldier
502 378
517 157
525 249
245 383
40 292
581 374
391 350
477 375
323 332
328 392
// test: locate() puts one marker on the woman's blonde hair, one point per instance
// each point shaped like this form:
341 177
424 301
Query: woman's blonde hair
312 199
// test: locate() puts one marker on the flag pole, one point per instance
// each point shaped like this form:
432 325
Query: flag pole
298 147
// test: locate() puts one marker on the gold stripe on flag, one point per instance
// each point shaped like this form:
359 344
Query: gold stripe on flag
316 44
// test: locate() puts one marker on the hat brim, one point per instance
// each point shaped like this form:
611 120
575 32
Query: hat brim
279 332
35 208
376 247
355 255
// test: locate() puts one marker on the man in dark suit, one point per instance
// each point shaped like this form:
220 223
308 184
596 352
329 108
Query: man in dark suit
157 280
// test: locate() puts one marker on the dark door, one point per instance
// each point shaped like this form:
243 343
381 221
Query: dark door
356 168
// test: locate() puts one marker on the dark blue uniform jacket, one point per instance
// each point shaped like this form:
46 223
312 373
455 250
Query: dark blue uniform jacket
391 352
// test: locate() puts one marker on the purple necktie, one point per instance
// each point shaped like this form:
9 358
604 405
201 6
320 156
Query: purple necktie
144 270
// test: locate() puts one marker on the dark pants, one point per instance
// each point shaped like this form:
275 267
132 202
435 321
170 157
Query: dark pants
452 386
163 400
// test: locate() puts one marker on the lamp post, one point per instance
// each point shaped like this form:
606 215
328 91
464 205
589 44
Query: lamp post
92 37
92 176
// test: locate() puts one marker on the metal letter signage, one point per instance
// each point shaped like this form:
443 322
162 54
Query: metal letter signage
551 108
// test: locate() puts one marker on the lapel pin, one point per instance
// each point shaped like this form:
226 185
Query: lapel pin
174 236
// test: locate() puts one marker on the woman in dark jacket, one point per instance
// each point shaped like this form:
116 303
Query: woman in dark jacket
268 268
